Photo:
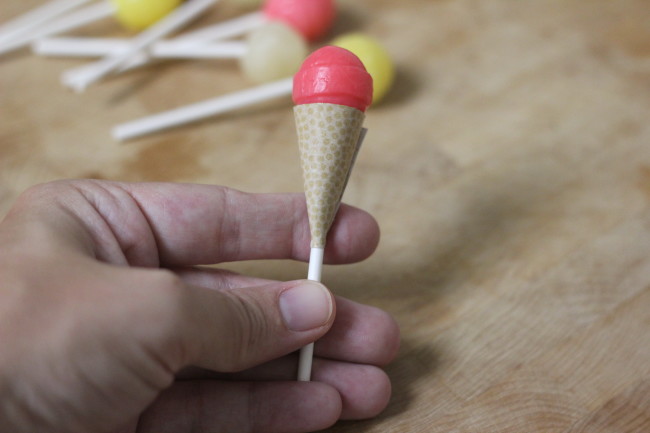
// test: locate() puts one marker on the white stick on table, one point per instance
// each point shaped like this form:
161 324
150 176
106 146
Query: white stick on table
187 50
225 30
307 352
80 78
79 47
101 47
71 21
36 17
202 110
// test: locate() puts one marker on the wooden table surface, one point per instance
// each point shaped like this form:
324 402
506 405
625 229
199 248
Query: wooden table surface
509 169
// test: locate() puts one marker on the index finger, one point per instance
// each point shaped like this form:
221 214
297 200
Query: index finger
199 224
149 224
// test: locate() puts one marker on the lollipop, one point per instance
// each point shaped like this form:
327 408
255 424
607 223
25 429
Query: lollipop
374 57
331 91
136 15
311 18
80 78
271 52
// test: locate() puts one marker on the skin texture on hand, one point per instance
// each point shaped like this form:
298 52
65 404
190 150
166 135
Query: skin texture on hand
109 324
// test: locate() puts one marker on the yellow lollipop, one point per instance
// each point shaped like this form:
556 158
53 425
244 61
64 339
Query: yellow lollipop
374 57
140 14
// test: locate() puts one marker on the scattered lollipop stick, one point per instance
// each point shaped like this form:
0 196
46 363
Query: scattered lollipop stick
202 110
79 47
225 30
36 17
97 47
71 21
101 47
89 47
80 78
184 50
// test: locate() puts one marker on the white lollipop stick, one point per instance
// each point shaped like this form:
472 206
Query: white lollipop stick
68 22
88 47
37 17
100 47
186 50
202 110
79 79
225 30
79 47
307 352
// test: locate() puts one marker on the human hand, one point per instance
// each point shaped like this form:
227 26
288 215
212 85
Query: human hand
108 325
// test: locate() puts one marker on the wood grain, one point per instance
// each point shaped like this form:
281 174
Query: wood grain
509 169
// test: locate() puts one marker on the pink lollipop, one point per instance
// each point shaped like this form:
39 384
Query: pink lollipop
332 91
333 75
310 18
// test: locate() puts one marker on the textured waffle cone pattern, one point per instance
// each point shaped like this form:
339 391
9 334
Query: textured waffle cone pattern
327 136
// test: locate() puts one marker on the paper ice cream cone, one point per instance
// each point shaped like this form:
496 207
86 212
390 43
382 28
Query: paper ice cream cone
328 138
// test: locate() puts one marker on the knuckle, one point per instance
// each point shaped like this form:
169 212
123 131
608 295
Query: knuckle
164 312
47 190
168 295
60 193
248 328
38 193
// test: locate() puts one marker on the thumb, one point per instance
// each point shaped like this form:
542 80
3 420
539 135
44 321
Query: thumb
231 330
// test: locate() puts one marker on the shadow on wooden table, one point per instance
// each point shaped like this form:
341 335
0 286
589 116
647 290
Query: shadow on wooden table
456 254
406 85
414 362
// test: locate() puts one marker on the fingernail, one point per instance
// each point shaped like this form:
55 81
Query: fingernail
306 306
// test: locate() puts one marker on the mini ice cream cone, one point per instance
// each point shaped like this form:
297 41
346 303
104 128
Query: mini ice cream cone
328 138
331 90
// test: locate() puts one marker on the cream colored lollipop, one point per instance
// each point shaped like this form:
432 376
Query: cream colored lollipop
270 52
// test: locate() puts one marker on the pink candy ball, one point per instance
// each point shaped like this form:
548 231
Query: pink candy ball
311 18
333 75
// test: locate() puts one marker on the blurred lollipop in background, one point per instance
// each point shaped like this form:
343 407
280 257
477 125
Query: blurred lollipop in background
311 18
375 58
269 53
